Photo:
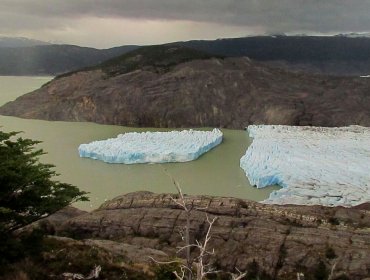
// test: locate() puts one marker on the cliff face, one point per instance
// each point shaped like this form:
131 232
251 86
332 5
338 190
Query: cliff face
277 241
233 93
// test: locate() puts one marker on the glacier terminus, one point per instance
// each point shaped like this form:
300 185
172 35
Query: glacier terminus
313 165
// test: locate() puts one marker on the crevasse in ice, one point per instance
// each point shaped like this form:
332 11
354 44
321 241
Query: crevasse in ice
313 165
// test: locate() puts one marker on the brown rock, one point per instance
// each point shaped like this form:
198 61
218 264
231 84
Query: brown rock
128 252
279 240
232 92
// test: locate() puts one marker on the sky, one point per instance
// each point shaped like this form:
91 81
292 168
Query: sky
108 23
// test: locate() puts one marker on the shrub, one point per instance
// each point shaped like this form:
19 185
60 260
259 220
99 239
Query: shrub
27 194
330 253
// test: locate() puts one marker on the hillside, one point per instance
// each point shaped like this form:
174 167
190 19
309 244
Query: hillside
335 55
157 58
19 42
289 48
168 86
53 59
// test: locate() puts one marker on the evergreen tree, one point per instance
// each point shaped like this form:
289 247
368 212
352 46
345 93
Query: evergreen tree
27 190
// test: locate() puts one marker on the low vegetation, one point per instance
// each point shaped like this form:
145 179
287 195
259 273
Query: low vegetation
59 258
158 58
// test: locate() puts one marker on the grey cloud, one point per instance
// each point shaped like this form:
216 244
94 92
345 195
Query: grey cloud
270 15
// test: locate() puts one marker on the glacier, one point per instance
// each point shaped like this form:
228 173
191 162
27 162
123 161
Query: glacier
153 147
313 165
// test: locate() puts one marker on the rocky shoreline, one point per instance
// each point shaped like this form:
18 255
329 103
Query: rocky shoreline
278 241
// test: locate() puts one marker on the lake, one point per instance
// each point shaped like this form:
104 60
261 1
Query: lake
215 173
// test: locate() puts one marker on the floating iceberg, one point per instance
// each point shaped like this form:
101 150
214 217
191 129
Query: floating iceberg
313 165
153 147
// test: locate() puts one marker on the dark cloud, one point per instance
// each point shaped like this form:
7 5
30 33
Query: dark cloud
270 16
273 15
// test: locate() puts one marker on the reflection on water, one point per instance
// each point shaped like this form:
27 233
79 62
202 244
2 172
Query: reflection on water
215 173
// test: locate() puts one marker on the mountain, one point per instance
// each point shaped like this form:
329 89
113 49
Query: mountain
18 42
53 59
157 58
354 34
173 86
289 48
333 55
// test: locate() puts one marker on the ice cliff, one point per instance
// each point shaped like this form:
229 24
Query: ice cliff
153 147
313 165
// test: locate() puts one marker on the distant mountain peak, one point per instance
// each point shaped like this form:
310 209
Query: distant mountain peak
277 34
355 34
20 42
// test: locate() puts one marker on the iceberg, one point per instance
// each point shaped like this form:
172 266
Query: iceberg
153 147
313 165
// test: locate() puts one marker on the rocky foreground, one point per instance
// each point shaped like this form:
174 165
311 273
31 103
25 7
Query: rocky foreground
274 241
169 86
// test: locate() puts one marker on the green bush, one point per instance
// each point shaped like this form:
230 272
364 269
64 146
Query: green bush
166 271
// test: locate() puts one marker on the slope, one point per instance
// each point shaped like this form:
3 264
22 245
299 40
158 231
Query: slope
169 86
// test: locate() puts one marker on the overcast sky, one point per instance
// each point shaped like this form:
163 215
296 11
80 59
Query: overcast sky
107 23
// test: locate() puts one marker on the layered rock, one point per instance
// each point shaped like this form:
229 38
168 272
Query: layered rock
278 240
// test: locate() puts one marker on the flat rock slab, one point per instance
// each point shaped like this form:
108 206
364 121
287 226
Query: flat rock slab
153 147
313 165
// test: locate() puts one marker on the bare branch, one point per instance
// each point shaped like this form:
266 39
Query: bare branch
332 271
299 275
201 208
182 202
181 233
238 276
185 247
202 268
159 262
180 277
